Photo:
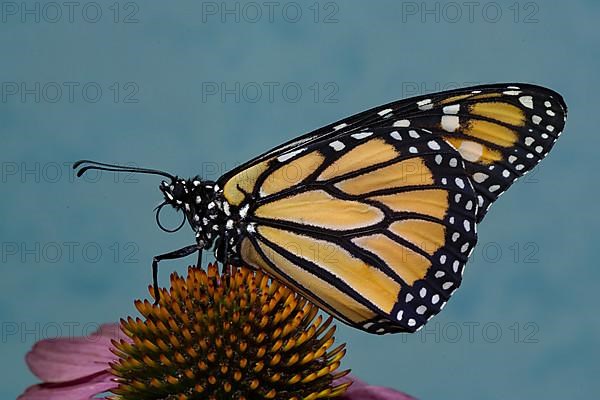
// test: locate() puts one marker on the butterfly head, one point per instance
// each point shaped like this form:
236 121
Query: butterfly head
181 194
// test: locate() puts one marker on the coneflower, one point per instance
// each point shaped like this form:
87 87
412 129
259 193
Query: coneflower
231 336
237 335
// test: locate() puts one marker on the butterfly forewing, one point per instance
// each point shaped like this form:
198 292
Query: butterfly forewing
375 227
501 131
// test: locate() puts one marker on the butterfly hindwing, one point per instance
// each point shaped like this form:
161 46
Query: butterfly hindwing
374 226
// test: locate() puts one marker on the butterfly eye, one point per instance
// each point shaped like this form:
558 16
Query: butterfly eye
161 226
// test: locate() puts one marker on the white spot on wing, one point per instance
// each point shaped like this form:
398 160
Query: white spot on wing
527 101
450 123
287 156
455 266
433 145
452 109
403 123
425 105
337 145
470 151
361 135
244 211
479 177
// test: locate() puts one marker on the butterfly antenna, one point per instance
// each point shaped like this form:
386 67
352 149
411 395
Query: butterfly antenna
87 165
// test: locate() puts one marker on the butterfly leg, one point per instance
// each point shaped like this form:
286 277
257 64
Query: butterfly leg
199 262
226 266
183 252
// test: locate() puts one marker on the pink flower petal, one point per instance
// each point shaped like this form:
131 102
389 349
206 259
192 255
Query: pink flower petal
360 390
67 359
81 389
112 331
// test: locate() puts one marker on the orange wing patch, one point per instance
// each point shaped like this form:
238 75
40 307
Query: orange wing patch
291 174
338 301
431 202
468 97
505 112
373 284
429 236
373 152
485 96
491 132
408 264
410 172
320 209
244 181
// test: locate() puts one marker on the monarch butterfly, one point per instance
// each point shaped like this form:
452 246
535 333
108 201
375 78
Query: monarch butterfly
372 217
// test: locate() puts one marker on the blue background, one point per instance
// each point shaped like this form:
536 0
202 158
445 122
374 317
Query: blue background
530 292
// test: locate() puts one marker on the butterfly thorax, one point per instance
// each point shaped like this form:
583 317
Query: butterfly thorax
207 212
196 198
